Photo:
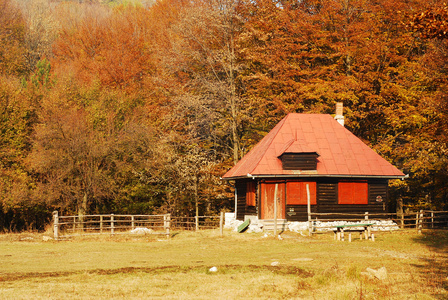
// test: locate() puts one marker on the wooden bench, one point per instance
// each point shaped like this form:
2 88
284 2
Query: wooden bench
340 229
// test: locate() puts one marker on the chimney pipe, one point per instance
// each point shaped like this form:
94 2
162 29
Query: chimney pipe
339 113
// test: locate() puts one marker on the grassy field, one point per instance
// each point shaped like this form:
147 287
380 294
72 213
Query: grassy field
248 266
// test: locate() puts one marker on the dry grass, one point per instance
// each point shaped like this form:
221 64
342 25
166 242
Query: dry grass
136 267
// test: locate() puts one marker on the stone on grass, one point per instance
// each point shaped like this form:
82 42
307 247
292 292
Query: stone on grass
141 230
213 270
380 274
254 228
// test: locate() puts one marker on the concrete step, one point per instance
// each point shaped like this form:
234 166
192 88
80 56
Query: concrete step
268 225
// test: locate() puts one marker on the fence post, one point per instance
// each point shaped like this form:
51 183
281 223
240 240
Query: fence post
101 224
432 219
416 220
112 229
366 216
56 224
196 223
275 210
400 212
167 224
74 224
132 222
308 210
420 223
221 223
402 220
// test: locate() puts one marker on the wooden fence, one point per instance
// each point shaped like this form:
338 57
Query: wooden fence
67 226
197 223
423 219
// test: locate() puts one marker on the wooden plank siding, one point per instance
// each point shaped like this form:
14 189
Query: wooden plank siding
242 207
299 161
327 201
267 208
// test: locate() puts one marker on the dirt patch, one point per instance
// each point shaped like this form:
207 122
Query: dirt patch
280 270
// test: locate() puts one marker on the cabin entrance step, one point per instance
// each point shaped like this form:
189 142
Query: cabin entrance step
268 225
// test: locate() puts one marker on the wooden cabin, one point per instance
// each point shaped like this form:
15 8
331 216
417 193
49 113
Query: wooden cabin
314 152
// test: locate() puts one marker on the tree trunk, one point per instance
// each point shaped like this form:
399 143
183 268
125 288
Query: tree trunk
196 195
82 210
233 101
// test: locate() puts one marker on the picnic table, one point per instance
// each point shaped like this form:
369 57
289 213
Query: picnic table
340 229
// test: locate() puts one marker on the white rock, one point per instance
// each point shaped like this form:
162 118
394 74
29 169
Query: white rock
141 230
298 226
213 269
46 238
254 228
275 263
379 225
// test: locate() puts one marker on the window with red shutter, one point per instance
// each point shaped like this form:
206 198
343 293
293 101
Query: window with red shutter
296 193
353 193
250 194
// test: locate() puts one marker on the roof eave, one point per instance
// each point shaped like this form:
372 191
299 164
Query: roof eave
402 177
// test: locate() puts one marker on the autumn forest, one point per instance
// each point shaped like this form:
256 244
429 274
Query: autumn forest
141 106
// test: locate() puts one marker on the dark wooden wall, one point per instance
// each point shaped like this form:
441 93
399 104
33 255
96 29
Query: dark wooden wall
291 161
327 201
242 209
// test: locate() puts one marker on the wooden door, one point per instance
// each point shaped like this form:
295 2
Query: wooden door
267 196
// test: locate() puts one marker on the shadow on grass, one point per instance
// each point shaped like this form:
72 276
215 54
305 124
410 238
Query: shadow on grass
436 240
435 267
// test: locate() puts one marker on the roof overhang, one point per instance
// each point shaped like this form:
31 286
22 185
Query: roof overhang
250 176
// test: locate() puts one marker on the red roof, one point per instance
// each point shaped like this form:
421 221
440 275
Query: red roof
340 152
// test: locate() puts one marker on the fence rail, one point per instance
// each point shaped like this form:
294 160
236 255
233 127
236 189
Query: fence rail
427 219
196 223
66 226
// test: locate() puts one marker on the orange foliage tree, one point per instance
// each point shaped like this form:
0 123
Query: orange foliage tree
305 56
12 39
163 99
110 47
431 23
198 66
426 157
88 150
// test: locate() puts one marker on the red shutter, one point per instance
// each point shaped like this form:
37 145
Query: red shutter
296 193
361 193
250 194
353 193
